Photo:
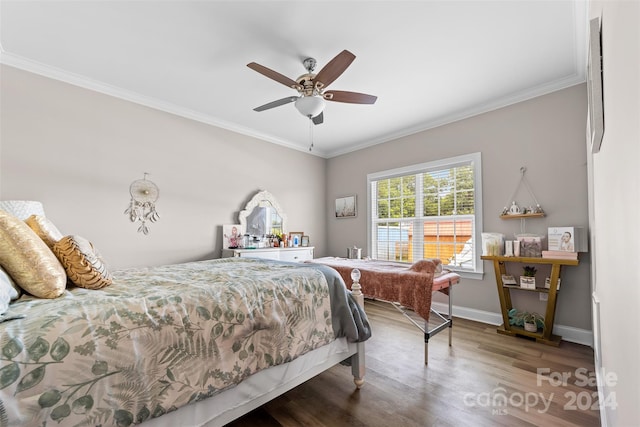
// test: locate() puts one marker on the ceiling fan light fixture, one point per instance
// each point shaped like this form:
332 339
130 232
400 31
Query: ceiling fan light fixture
310 106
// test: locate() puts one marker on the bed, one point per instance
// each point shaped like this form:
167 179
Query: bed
197 343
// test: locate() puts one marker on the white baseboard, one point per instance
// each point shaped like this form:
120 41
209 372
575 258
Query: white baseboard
568 333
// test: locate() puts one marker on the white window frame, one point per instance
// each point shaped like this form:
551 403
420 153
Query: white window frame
448 163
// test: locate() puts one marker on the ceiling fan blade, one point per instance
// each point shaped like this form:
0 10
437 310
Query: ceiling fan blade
277 103
274 75
318 119
349 97
333 69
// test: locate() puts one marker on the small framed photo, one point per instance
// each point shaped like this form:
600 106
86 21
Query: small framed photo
232 236
304 242
296 238
346 207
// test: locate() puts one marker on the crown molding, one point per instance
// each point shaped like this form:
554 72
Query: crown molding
97 86
84 82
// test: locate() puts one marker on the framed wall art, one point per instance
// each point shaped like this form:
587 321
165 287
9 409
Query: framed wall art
346 207
594 86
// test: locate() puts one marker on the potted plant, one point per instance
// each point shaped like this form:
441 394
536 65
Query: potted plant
532 321
528 278
528 320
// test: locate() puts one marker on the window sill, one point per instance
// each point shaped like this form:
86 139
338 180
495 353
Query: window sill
465 274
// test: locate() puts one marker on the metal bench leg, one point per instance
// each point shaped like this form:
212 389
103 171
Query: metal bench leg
450 313
426 352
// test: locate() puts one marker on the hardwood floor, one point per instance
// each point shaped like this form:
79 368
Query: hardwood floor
483 379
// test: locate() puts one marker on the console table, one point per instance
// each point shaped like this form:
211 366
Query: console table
504 293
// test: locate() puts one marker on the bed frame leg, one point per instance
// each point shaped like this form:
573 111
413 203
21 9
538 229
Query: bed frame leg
357 366
357 360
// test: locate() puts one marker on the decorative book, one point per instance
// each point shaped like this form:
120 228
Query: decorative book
547 283
559 255
508 280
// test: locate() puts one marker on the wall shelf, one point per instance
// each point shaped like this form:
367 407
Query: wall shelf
543 290
504 293
527 215
514 211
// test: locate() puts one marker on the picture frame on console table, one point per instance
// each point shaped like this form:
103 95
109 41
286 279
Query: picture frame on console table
296 236
346 207
232 236
304 242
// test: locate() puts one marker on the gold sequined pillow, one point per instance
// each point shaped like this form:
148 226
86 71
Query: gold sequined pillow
28 260
82 262
45 229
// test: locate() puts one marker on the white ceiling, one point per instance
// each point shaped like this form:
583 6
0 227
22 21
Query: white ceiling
429 62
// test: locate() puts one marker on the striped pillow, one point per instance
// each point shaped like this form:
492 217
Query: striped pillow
82 262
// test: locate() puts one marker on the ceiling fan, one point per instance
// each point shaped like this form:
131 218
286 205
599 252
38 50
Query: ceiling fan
311 87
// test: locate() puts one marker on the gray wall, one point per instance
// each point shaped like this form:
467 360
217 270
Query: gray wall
77 151
545 134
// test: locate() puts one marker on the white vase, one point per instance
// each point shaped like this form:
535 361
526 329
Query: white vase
531 327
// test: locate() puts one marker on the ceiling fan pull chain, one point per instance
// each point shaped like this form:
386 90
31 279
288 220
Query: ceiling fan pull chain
311 132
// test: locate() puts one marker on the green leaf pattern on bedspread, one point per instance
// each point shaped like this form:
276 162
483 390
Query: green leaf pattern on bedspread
157 339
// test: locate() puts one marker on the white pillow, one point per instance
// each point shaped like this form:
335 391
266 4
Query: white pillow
9 291
22 209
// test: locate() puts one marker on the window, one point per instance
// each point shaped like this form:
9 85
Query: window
430 210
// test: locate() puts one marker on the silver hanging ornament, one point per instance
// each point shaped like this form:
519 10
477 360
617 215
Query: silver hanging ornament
142 208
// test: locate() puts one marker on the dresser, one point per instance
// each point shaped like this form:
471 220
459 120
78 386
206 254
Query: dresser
299 254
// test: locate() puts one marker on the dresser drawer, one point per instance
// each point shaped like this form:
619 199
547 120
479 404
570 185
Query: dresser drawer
296 255
282 254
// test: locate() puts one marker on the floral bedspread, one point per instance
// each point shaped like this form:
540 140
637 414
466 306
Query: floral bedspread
157 339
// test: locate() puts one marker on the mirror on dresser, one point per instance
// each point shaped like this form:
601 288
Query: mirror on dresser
261 218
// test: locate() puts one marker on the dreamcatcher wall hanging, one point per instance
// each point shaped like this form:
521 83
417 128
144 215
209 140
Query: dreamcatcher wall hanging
144 194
